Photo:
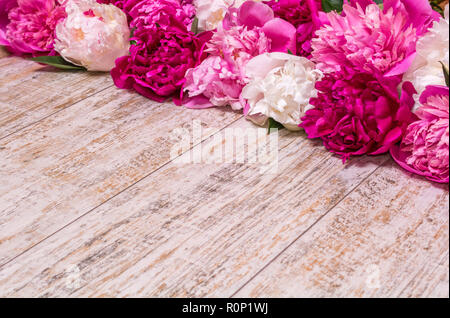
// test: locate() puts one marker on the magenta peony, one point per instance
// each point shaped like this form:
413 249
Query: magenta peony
359 116
304 15
162 51
128 5
5 7
30 28
245 33
425 147
369 39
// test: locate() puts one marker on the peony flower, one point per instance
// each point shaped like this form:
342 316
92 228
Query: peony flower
5 7
162 52
214 82
93 35
210 13
369 39
159 13
280 87
127 6
244 34
425 147
432 48
361 115
304 15
28 26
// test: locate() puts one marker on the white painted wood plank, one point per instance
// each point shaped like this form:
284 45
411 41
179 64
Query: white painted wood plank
67 164
30 92
189 229
389 238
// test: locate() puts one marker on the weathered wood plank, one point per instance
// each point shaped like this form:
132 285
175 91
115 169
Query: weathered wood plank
65 165
189 229
389 238
30 91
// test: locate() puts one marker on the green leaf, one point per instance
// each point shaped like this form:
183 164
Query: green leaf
445 70
194 27
437 6
332 5
273 124
57 61
290 52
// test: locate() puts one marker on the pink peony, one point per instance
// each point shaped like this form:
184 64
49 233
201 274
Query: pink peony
425 147
246 32
370 39
304 15
359 116
5 7
164 13
31 25
128 5
162 51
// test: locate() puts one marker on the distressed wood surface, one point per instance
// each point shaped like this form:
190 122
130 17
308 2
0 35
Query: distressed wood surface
92 204
189 229
62 167
30 92
389 238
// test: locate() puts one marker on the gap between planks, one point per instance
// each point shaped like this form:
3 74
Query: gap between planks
224 229
65 165
304 232
109 199
388 238
30 92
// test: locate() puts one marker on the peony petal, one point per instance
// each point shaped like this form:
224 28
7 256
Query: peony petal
282 34
401 67
197 102
254 14
5 6
261 65
420 12
435 90
400 157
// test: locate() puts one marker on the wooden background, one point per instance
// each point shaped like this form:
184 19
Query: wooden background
91 204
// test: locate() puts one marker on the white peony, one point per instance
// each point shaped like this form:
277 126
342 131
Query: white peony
93 35
432 48
280 87
211 12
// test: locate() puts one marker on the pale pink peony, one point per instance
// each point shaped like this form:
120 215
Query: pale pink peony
245 33
370 39
93 35
214 82
159 13
425 147
30 26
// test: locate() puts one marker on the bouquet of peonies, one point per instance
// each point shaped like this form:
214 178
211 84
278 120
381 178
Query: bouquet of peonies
366 76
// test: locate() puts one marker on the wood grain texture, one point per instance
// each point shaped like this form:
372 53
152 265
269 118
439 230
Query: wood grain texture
389 238
67 164
189 229
30 92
